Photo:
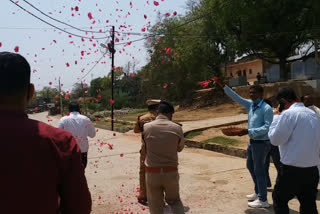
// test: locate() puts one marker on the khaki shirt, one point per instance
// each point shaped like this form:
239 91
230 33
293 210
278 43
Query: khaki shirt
163 139
146 118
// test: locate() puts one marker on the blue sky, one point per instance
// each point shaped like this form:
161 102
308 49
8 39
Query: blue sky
48 50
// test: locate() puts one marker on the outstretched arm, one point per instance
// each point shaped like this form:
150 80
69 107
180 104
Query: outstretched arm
238 99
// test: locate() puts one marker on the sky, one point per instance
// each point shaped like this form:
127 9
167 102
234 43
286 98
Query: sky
54 54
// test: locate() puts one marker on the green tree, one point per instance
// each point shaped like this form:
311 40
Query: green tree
273 30
79 90
47 94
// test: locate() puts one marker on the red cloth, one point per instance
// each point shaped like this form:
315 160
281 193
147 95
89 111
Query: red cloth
39 163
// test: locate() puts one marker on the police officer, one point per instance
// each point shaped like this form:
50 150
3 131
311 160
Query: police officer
142 119
163 139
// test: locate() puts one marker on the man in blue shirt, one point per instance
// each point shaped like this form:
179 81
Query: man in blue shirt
260 116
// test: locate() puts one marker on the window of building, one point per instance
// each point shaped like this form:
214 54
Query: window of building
244 73
250 71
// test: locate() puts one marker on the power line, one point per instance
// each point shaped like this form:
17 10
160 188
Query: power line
147 35
137 40
91 69
79 29
34 28
73 34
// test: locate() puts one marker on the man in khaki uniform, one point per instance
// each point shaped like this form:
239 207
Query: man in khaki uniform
163 139
146 118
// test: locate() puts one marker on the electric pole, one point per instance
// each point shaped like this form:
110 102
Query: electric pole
112 50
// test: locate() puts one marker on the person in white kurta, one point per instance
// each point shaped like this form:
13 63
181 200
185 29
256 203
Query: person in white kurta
81 127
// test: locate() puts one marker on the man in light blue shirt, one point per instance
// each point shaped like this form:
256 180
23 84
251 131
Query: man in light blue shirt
260 116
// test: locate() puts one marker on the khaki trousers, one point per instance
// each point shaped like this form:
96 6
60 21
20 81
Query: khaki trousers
142 176
160 186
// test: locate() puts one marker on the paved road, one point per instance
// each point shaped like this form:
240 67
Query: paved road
210 183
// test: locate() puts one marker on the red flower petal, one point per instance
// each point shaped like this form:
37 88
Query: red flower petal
175 13
111 102
165 85
156 3
50 83
90 15
16 49
76 8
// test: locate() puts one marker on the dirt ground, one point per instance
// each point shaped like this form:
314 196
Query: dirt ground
216 132
208 112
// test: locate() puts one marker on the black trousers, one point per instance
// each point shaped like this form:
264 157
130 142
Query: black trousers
84 158
300 182
275 155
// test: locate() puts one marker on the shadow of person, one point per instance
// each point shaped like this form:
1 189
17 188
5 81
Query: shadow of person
167 209
265 211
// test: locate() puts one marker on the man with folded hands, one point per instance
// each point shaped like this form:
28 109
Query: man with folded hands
163 139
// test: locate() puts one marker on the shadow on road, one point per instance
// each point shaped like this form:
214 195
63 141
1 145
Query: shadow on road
265 211
167 209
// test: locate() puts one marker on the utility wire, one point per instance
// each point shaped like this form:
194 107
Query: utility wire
137 40
73 34
34 28
147 35
91 69
79 29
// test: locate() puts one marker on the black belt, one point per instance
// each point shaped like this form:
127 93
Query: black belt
258 141
299 168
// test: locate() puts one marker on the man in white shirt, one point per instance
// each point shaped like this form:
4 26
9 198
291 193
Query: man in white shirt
296 132
308 101
81 127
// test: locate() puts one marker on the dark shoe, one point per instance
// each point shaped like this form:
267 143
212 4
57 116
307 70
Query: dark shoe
143 201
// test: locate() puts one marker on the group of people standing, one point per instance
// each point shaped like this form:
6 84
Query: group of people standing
42 165
290 133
